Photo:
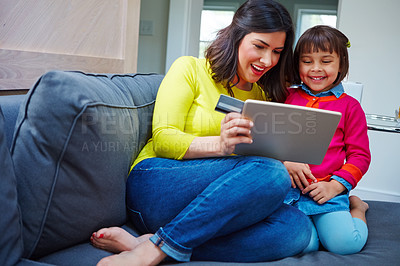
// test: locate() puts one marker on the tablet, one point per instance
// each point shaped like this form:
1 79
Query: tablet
289 132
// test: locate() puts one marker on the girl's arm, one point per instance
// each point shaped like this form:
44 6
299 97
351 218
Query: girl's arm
358 156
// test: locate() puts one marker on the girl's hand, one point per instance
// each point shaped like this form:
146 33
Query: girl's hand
299 173
235 129
323 191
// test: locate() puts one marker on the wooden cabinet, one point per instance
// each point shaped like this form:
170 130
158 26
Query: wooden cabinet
36 36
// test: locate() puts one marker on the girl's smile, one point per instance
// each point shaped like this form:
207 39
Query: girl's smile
319 70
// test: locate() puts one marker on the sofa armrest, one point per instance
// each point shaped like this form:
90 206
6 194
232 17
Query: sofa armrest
76 137
10 106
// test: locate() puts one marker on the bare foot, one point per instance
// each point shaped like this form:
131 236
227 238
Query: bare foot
145 254
116 239
358 208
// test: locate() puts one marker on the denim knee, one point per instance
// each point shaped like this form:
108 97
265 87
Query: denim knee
313 245
276 179
304 230
300 227
269 173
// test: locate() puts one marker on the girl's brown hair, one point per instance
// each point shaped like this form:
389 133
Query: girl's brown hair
261 16
325 39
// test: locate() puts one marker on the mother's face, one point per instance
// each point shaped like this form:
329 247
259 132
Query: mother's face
258 53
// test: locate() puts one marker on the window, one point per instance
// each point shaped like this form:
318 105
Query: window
307 18
214 18
211 22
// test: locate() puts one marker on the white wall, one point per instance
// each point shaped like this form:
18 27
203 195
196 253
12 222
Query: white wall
175 32
183 29
152 48
373 29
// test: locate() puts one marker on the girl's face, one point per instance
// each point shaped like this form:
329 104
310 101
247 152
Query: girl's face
319 70
258 53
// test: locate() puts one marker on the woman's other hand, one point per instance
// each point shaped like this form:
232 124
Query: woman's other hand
235 129
300 174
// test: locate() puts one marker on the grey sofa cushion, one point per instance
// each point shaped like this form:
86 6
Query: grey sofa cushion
10 222
76 137
82 254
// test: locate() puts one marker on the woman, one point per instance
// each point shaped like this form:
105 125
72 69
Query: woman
193 198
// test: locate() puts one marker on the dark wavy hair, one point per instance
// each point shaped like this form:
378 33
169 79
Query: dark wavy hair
325 39
260 16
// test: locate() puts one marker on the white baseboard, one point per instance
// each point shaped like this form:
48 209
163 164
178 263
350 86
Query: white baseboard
369 194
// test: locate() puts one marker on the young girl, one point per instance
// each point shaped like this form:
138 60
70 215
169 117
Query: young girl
321 63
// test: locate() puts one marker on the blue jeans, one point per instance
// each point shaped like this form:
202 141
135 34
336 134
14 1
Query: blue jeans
220 209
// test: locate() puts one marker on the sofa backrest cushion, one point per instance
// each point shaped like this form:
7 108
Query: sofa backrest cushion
76 137
10 222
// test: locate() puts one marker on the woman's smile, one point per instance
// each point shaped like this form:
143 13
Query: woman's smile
257 54
258 70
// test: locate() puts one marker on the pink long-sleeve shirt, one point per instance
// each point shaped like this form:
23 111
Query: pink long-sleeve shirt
348 155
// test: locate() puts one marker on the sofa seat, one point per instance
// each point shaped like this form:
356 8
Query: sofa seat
70 143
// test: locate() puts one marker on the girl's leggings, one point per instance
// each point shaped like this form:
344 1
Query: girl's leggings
338 232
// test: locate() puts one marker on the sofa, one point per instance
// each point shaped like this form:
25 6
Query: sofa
66 150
